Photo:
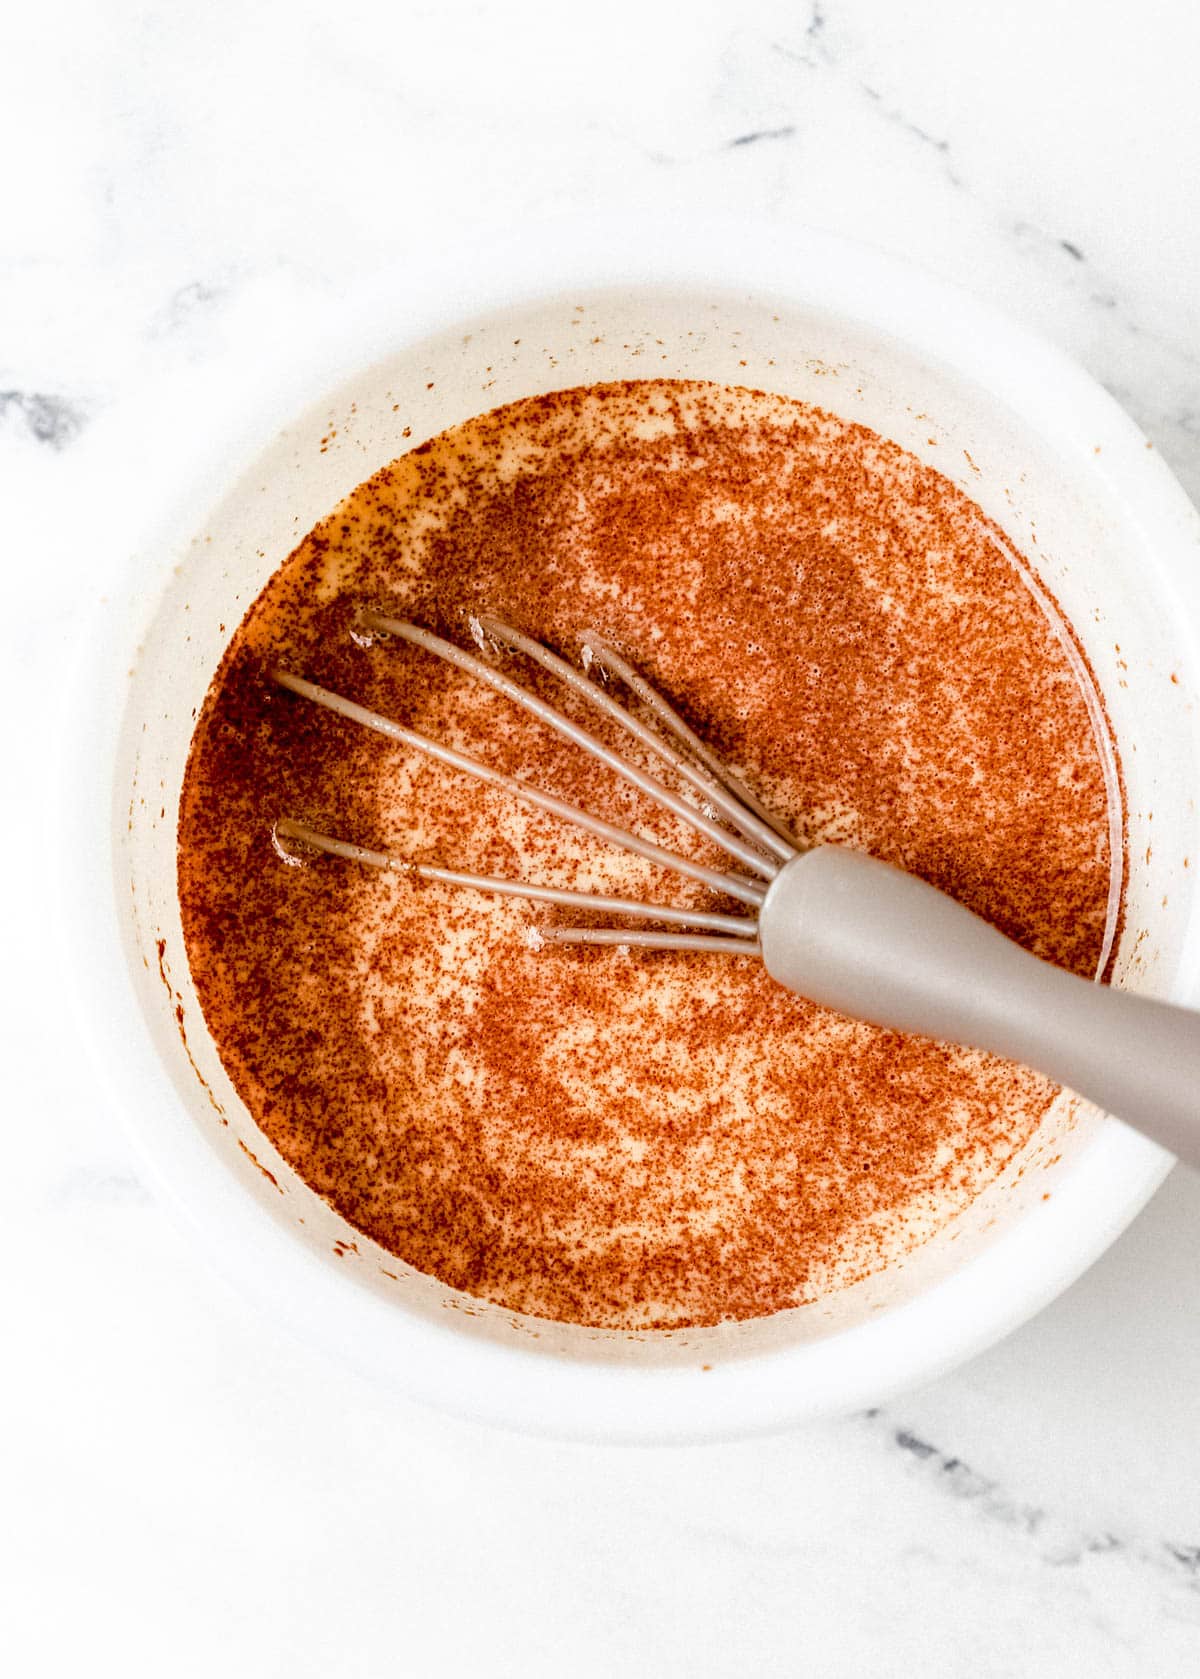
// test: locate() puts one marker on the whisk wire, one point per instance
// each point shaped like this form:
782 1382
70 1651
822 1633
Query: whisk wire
712 781
746 854
599 652
758 831
736 886
739 926
635 939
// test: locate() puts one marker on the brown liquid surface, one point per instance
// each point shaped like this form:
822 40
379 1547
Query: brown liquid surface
602 1137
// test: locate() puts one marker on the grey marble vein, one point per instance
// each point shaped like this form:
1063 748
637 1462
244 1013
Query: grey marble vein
815 45
783 133
816 52
190 301
53 420
1056 1540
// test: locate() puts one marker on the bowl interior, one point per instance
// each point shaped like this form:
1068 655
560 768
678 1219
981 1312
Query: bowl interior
1043 490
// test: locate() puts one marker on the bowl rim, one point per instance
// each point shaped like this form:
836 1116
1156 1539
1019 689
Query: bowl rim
1022 1269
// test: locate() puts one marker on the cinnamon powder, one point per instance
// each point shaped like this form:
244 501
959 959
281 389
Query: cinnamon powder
634 1140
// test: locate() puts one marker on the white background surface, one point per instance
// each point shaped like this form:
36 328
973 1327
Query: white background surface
185 1491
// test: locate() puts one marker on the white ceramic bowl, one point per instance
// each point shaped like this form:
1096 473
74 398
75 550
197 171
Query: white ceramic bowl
1021 429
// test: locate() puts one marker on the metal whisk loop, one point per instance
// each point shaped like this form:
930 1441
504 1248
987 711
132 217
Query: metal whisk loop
713 781
745 853
741 926
758 830
621 936
736 886
597 651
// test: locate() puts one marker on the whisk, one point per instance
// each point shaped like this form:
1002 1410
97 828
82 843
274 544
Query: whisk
836 926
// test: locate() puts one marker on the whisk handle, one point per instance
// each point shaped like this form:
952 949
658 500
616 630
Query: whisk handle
861 937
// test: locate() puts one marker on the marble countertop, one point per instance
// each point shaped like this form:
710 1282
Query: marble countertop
185 1489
